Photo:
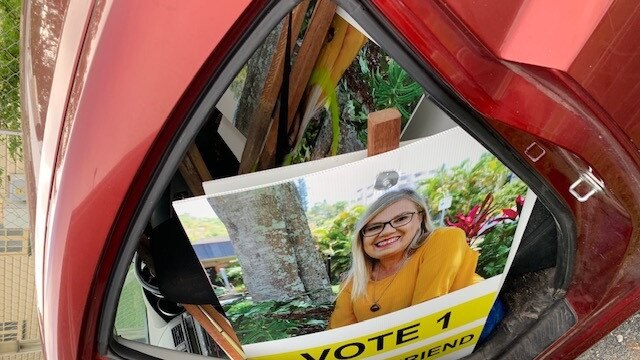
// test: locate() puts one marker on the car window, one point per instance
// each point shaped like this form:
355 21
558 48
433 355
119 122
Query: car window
251 248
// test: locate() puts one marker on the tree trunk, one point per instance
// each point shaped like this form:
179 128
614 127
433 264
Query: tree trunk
257 70
311 267
271 237
348 138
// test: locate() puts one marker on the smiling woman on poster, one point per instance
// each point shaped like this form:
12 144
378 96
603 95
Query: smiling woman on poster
400 260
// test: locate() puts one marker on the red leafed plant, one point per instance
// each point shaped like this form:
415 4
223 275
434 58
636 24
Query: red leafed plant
478 221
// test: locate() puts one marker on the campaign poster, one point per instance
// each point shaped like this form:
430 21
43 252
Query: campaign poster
399 255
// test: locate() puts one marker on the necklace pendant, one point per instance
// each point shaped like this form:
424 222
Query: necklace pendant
374 307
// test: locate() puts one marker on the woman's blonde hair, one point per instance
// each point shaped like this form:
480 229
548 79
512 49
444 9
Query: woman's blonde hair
361 263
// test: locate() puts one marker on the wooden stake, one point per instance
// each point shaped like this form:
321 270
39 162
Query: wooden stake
311 45
263 116
215 327
194 170
300 73
383 129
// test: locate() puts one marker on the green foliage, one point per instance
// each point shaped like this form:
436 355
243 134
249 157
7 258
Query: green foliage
468 185
363 62
302 153
273 320
322 78
234 273
356 113
198 228
394 88
374 82
131 313
494 250
334 239
504 197
322 212
238 83
9 72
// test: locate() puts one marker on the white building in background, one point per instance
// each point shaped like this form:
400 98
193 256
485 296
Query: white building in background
19 334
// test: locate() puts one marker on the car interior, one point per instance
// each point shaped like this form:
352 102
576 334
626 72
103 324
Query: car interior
167 296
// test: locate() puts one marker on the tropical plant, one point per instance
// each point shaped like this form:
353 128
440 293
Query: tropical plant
394 88
234 273
334 239
494 250
273 320
477 221
322 212
483 218
514 188
495 231
468 184
353 111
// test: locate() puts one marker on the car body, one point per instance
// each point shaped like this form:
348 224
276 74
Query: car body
107 87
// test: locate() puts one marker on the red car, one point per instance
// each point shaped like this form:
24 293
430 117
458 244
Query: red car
114 93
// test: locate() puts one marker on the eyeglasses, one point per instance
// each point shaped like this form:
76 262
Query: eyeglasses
398 221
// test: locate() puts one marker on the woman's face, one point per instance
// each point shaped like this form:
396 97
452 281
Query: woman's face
392 242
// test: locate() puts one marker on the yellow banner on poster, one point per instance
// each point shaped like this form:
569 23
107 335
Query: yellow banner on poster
443 347
395 337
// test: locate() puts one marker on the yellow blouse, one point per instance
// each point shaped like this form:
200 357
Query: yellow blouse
444 263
